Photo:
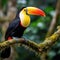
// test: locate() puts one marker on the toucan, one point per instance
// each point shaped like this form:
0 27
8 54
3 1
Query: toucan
18 25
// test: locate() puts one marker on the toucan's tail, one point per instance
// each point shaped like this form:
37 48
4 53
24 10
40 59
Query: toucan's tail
6 52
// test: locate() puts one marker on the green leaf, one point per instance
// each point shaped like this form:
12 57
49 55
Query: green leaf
48 9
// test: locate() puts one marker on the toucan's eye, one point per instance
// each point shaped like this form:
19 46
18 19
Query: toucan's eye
24 9
27 11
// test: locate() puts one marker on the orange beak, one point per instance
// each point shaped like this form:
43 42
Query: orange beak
35 11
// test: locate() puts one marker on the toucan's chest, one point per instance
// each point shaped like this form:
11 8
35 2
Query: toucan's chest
15 29
18 32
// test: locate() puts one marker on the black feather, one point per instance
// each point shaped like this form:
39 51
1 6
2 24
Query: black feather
6 53
14 30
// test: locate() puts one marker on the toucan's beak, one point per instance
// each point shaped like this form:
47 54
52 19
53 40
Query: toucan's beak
35 11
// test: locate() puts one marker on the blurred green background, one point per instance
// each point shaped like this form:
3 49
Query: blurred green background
38 28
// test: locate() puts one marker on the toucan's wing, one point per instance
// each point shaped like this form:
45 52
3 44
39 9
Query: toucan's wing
12 26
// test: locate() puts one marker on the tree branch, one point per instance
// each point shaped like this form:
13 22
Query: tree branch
16 41
39 48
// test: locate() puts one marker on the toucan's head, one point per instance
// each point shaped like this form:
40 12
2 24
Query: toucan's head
26 12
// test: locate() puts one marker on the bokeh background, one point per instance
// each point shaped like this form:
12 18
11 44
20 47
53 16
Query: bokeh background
36 31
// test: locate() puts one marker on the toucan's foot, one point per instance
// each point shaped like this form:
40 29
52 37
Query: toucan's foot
6 53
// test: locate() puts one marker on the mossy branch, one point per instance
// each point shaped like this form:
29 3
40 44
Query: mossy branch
22 41
39 48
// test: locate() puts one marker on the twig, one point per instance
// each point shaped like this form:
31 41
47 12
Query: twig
4 19
54 20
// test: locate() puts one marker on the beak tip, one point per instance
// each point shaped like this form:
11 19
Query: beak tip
44 15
